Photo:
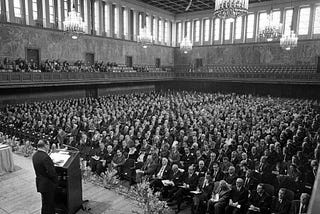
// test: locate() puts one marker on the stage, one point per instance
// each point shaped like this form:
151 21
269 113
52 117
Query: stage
18 193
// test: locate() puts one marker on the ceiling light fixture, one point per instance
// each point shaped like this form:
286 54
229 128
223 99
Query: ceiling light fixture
73 23
225 9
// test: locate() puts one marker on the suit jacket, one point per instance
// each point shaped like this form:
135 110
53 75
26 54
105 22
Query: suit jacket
219 176
223 198
295 208
166 172
239 196
263 202
280 208
251 184
192 181
208 188
176 177
46 176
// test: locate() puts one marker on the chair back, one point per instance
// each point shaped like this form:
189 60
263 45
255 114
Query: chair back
269 189
289 194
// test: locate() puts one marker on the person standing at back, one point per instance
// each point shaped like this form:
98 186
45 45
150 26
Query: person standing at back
46 177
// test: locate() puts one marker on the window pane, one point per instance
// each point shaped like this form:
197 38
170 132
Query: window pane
166 32
304 18
316 26
288 21
96 17
250 26
227 29
65 7
179 32
238 27
34 9
206 30
51 11
188 30
276 17
106 18
116 20
155 27
17 8
125 22
148 24
160 30
263 19
197 31
216 29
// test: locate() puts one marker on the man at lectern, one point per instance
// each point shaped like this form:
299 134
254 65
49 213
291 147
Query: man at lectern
46 177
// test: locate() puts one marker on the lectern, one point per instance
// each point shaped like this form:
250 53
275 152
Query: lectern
68 196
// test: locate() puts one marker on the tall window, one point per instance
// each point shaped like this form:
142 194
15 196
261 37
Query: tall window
304 18
17 8
216 29
188 30
116 20
263 20
179 32
106 18
160 30
238 27
65 7
96 17
51 11
288 21
276 15
250 26
148 24
35 9
140 21
206 30
197 31
227 29
166 32
125 21
316 24
155 27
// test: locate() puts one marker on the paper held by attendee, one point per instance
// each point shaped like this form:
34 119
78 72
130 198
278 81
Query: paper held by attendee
167 183
215 197
59 158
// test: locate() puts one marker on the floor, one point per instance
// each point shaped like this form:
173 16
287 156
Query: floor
18 194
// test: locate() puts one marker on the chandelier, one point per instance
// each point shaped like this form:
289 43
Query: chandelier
186 45
289 41
145 37
225 9
271 31
73 23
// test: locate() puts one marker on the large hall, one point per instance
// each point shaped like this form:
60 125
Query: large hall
159 106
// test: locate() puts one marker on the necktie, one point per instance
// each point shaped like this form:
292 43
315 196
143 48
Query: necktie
161 171
204 183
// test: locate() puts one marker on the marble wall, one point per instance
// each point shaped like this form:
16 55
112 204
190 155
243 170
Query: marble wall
258 53
58 45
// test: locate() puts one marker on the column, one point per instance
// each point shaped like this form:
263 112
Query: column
295 14
173 34
45 13
10 16
28 11
3 16
126 24
60 14
156 31
121 11
311 20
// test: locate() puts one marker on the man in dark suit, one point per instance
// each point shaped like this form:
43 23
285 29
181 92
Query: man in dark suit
176 177
300 207
216 173
205 188
259 201
238 198
190 183
281 205
46 177
162 173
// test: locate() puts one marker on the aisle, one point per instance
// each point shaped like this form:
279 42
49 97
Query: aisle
18 194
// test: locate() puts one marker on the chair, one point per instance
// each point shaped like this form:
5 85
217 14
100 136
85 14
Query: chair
269 189
289 195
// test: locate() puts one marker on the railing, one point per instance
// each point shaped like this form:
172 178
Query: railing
9 79
12 79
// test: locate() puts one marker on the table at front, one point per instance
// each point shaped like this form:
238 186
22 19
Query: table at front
6 160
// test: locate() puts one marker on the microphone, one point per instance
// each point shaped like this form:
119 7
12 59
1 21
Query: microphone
71 147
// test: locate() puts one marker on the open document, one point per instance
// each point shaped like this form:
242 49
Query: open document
59 158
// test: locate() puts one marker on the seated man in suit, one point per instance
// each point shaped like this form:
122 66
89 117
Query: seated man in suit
205 188
238 198
98 160
281 205
176 177
190 183
216 173
301 207
259 201
162 173
201 169
219 201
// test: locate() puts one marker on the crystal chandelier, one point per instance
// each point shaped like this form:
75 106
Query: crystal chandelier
225 9
145 37
271 31
73 23
289 41
186 45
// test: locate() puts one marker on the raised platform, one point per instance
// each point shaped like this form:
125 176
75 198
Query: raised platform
18 194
